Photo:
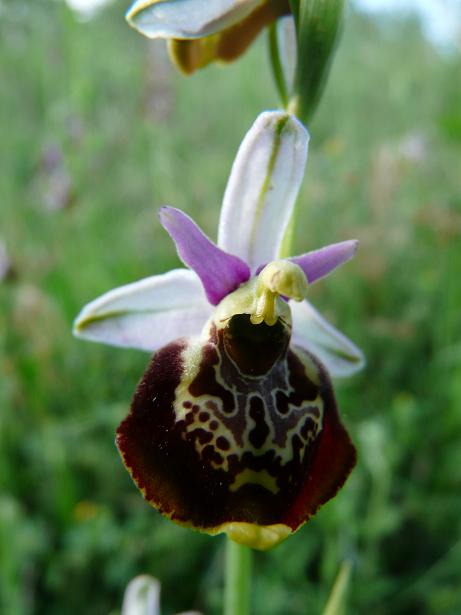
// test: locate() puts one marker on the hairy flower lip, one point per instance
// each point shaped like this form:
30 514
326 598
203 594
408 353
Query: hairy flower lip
257 505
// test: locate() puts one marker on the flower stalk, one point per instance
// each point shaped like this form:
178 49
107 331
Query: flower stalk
238 566
337 599
280 79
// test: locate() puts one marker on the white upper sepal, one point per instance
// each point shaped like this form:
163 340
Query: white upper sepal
340 356
262 188
187 19
146 314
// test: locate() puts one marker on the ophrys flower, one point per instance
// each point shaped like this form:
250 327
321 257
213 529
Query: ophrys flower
232 429
201 31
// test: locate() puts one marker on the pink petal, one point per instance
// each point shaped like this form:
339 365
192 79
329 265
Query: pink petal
220 272
319 263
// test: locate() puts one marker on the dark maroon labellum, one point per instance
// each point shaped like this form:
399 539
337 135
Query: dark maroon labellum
238 429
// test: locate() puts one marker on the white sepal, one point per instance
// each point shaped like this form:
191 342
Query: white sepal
262 188
340 356
146 314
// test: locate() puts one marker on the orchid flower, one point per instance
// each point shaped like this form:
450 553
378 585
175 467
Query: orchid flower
232 428
201 31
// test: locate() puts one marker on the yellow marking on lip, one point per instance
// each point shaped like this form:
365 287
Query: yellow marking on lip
253 477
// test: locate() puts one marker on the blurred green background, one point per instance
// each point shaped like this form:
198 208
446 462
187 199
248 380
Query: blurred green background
97 131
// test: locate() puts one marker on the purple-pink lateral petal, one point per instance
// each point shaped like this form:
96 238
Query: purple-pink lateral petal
319 263
220 272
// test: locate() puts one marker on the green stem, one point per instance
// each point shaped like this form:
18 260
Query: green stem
238 579
294 5
337 600
276 64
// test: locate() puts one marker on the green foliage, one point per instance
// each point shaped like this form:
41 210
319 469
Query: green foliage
96 134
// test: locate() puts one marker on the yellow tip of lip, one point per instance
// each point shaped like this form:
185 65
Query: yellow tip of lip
261 537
